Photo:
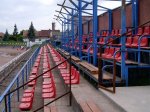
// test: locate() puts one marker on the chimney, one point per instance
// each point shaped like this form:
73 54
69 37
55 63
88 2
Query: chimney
53 26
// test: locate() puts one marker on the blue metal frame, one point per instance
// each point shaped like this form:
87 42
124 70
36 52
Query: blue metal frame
123 39
135 14
79 8
80 27
95 2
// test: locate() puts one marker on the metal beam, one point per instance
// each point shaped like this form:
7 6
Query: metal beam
91 3
73 4
74 9
61 7
62 12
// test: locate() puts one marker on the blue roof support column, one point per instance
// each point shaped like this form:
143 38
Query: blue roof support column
80 27
65 33
95 32
62 35
110 20
123 39
72 28
135 13
68 38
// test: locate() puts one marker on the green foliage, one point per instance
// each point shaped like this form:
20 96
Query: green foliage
15 30
12 38
20 38
31 32
6 36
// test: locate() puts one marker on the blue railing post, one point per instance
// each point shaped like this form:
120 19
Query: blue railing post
22 77
26 72
18 89
9 102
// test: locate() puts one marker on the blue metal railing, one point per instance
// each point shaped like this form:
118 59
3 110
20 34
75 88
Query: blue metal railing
19 78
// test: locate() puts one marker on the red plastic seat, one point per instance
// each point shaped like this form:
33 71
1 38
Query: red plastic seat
26 99
32 83
143 42
128 41
27 94
48 90
48 86
106 51
47 82
49 95
110 54
25 106
101 41
76 80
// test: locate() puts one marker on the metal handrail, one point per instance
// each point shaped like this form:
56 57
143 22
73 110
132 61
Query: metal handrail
10 92
13 81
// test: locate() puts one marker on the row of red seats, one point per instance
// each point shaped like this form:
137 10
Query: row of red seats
109 53
28 95
132 41
49 89
75 76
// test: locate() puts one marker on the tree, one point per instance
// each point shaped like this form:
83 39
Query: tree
15 33
6 36
31 32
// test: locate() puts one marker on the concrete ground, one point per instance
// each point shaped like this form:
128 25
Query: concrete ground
8 53
86 92
131 99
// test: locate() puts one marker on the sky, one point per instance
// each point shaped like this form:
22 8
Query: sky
40 12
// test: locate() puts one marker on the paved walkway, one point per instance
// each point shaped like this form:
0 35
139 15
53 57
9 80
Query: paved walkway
85 91
132 99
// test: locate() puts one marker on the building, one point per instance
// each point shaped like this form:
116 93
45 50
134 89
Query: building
1 35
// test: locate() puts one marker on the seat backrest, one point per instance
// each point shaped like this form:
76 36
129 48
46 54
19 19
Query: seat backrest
116 32
111 51
107 33
146 30
120 32
110 40
112 33
135 39
106 51
130 32
144 42
118 53
129 40
140 31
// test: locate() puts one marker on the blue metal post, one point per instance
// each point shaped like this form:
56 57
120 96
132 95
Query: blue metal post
62 34
135 14
95 32
68 38
110 20
18 89
72 29
23 77
26 72
123 39
9 102
80 27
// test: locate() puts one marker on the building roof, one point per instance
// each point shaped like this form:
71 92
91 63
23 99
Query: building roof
1 34
44 33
